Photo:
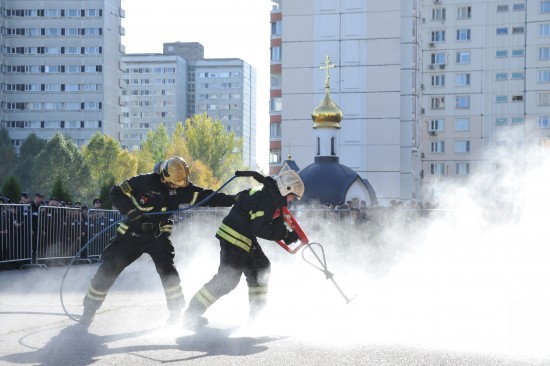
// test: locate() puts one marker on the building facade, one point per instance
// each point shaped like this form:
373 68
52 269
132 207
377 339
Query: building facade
179 83
60 68
372 46
153 93
432 89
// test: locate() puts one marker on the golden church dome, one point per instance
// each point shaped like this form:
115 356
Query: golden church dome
327 113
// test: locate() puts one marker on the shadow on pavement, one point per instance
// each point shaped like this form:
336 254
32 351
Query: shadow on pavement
74 346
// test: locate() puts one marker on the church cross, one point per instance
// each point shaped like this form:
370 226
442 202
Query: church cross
327 66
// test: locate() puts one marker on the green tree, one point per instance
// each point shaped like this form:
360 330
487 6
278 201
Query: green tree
12 189
8 155
104 195
157 143
208 142
59 191
107 161
30 148
61 159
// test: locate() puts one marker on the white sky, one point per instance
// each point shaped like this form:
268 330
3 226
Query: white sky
237 28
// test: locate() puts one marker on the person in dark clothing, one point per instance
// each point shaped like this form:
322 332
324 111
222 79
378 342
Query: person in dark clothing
163 190
257 214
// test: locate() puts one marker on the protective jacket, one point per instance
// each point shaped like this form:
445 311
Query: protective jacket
146 193
252 216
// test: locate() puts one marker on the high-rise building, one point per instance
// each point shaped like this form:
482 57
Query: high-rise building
371 45
60 68
430 88
179 83
154 93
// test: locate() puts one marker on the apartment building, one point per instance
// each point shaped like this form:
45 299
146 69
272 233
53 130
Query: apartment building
179 83
60 68
153 94
372 46
431 90
485 85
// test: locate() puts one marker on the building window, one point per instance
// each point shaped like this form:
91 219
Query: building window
517 98
518 7
438 80
274 156
518 120
502 31
518 76
502 8
502 53
463 57
438 103
544 53
544 6
437 169
462 79
277 28
275 130
502 76
463 102
276 53
276 104
463 35
438 58
501 121
462 146
501 99
543 122
462 169
543 98
544 30
518 53
464 12
438 36
437 125
462 124
518 30
543 76
438 14
438 147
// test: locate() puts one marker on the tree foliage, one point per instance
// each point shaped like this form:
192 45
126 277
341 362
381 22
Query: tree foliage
59 191
30 148
8 155
61 159
107 161
12 189
209 143
157 143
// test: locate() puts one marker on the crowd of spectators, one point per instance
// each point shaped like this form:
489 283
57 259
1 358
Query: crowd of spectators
59 226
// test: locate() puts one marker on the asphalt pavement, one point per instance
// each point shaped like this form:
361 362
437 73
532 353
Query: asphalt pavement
130 328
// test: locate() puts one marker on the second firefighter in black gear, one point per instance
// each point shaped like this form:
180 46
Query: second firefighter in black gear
164 189
252 216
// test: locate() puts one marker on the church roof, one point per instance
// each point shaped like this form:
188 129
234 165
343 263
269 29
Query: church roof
328 181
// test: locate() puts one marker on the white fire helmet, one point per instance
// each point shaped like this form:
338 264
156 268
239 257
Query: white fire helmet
290 182
175 171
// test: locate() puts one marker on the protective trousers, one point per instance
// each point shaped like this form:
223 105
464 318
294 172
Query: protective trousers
123 251
235 261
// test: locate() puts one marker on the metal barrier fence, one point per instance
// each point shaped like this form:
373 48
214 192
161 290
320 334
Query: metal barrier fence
58 233
15 233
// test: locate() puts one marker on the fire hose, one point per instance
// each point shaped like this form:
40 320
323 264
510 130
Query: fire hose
292 225
290 221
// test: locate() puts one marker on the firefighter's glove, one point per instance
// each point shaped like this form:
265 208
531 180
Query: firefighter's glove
239 196
291 237
134 215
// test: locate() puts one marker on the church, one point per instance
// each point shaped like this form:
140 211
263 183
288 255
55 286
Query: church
326 180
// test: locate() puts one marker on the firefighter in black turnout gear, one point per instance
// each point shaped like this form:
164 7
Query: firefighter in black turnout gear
251 217
164 189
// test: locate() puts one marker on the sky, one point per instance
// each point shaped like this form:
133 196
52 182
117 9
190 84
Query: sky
233 29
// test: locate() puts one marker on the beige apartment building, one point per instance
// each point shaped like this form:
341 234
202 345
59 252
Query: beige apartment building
429 89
